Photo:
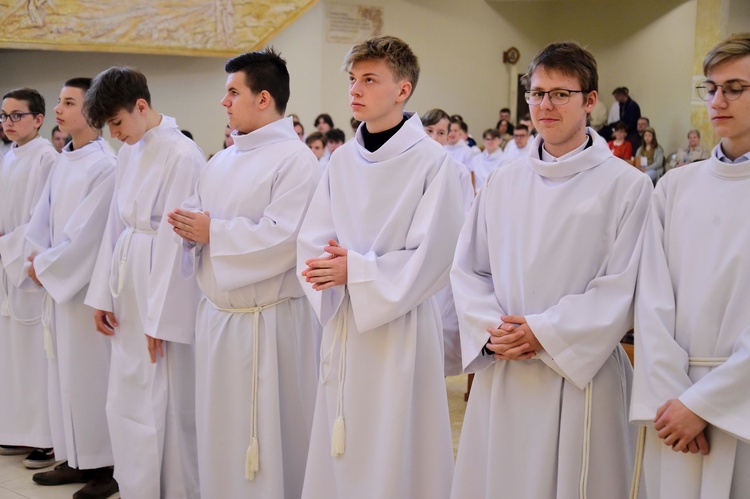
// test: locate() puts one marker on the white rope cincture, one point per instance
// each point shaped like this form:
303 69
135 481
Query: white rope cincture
640 449
338 432
49 343
583 483
122 265
252 456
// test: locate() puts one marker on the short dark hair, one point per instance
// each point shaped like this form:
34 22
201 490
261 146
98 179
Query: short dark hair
621 125
55 130
335 135
570 59
434 116
492 132
264 70
33 98
644 118
461 123
315 136
505 110
521 126
112 90
82 83
325 117
621 91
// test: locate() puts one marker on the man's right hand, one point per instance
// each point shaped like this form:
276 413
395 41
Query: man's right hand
105 322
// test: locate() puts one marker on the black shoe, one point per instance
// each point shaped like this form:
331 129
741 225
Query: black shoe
39 458
101 486
63 474
14 450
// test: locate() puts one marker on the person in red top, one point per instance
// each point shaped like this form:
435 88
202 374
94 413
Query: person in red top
620 147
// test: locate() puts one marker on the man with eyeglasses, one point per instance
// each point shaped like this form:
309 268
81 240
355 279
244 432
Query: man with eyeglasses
543 278
692 318
521 146
24 419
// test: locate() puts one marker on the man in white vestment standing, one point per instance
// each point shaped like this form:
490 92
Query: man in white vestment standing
692 320
62 244
140 299
24 415
375 246
257 336
543 279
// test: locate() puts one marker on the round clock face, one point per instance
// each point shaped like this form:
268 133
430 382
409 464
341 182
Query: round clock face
513 55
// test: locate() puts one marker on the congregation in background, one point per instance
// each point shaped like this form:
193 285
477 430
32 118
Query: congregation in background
277 321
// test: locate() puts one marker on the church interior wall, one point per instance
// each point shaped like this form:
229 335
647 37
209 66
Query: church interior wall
460 47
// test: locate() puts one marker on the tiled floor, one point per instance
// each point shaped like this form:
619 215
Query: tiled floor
16 483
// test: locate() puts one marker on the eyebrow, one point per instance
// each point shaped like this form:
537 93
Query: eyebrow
733 80
363 75
15 111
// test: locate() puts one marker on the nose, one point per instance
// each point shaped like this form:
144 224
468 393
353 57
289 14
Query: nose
548 105
719 99
57 108
225 101
354 89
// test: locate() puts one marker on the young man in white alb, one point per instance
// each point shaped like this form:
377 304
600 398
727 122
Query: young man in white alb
374 248
543 279
256 335
140 298
24 416
692 320
62 244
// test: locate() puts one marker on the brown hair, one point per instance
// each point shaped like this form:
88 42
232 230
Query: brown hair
394 51
568 58
737 45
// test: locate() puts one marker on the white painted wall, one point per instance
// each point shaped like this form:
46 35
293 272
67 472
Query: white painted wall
459 45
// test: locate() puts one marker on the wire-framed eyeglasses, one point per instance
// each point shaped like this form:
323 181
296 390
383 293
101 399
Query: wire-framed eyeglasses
732 90
557 97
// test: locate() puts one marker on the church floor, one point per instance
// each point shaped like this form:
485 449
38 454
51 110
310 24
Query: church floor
16 483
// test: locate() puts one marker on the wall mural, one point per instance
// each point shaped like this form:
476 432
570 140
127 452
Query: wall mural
180 27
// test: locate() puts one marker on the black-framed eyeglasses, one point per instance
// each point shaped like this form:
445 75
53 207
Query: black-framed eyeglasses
557 97
732 90
14 117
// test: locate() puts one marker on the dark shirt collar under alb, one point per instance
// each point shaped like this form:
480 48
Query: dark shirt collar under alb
373 141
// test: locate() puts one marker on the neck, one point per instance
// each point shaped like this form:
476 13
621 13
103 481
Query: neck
153 119
563 149
386 122
83 137
23 143
734 148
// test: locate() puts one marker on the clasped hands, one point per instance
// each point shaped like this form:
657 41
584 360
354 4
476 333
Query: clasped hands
680 428
513 339
193 226
328 271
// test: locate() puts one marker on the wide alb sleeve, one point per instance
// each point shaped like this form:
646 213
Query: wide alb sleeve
244 251
99 294
13 244
473 290
172 299
582 330
316 230
385 287
661 363
66 268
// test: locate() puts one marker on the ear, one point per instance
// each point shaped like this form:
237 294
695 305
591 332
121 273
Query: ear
404 91
264 99
141 105
591 99
38 121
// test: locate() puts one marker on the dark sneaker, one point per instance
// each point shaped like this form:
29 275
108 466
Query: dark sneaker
101 486
14 450
39 458
63 474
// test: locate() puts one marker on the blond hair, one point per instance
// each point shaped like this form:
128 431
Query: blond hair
737 45
396 53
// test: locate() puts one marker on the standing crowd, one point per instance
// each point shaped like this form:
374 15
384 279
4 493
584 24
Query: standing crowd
278 322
